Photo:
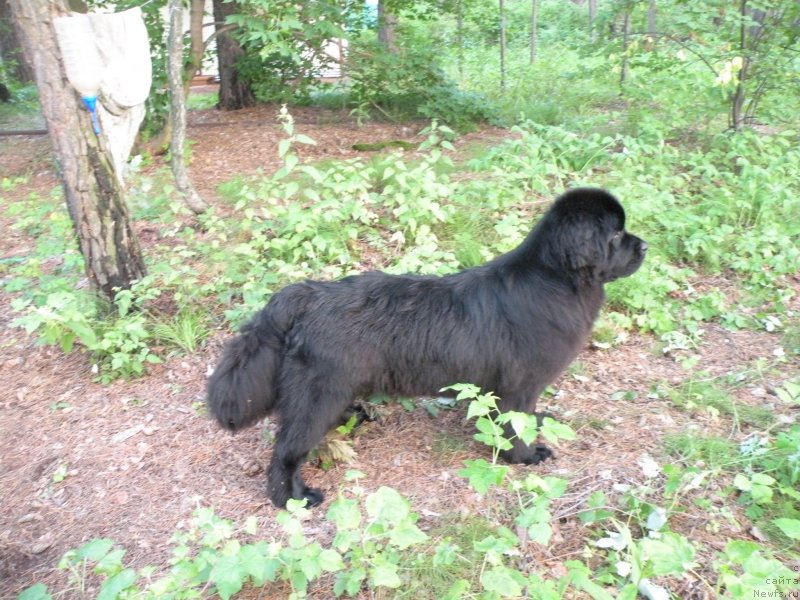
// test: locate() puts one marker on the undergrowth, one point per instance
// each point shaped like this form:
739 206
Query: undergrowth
631 547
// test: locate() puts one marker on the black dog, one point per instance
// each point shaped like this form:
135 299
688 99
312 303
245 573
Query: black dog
510 326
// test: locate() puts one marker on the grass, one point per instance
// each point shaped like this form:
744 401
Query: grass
432 580
707 396
711 451
185 331
202 100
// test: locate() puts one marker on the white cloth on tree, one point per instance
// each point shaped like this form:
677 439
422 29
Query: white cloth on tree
108 55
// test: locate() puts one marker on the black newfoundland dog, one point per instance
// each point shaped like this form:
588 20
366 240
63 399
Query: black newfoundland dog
510 326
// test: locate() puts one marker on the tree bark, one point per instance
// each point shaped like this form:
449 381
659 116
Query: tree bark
592 18
387 28
10 53
175 73
94 195
159 144
235 92
626 32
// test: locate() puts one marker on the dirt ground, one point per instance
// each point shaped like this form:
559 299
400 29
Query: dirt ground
131 460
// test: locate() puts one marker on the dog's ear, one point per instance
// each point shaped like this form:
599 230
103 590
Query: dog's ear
581 248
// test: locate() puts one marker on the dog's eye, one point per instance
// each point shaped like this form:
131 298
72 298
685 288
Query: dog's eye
617 236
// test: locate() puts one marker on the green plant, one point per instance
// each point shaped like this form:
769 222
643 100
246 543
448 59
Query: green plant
186 331
409 84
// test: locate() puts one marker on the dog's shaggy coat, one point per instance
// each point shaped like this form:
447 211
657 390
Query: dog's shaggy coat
510 326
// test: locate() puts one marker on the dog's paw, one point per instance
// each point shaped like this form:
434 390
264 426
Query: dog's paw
313 497
361 413
539 452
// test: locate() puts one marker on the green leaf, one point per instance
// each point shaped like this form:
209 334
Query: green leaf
349 582
742 482
258 563
525 426
345 514
35 592
331 561
385 574
445 554
504 581
541 533
790 527
387 506
114 586
582 579
738 551
251 525
406 535
483 475
95 549
290 162
553 431
673 554
304 139
229 575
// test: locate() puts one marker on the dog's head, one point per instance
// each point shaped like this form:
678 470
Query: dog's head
584 234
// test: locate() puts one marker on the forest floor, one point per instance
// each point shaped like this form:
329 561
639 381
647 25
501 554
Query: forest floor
131 460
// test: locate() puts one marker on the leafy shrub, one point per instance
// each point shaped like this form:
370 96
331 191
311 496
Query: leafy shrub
410 84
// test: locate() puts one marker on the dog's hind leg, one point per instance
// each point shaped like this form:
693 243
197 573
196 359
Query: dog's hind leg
304 423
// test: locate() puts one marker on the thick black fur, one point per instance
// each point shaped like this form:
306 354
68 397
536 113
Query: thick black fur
510 326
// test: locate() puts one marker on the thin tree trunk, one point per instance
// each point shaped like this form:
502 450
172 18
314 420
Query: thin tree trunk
387 27
159 144
652 27
738 96
10 54
94 195
502 10
534 28
592 19
175 73
626 32
235 92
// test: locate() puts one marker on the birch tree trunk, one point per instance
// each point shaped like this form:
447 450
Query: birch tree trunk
175 72
94 195
626 33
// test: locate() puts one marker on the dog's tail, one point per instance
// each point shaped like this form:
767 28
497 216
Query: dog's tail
241 390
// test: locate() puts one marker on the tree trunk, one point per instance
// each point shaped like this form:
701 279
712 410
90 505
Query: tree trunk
502 10
94 195
234 92
10 54
652 11
738 96
592 19
534 28
626 33
387 27
175 72
159 144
